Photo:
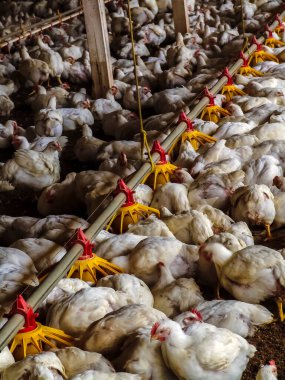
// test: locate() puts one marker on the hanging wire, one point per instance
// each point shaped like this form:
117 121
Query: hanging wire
35 28
144 142
245 38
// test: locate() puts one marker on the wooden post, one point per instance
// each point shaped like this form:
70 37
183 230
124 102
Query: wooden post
180 16
98 45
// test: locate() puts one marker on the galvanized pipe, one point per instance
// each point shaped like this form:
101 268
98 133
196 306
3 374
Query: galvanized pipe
39 27
10 329
26 31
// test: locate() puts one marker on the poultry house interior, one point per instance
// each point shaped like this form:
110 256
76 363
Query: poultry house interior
187 279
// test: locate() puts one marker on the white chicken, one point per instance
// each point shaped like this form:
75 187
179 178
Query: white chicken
262 171
151 226
64 288
239 317
241 231
52 58
76 361
191 227
236 141
252 274
43 252
35 70
215 189
180 258
6 105
45 365
38 144
134 288
219 153
173 196
97 188
204 352
6 133
220 221
87 147
119 166
57 228
142 356
58 198
76 312
269 131
253 204
78 72
98 375
179 52
103 107
229 129
186 156
74 117
274 148
107 335
16 270
118 245
267 372
48 122
39 100
132 149
228 240
33 170
174 296
6 357
70 50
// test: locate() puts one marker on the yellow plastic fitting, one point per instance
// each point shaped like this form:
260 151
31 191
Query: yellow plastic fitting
162 171
130 212
195 138
89 266
212 112
33 336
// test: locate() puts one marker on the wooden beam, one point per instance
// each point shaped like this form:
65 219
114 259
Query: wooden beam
180 16
98 45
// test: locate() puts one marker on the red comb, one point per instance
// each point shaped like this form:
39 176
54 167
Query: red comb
199 315
154 328
272 362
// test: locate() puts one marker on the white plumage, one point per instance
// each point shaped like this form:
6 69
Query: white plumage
204 352
239 317
75 313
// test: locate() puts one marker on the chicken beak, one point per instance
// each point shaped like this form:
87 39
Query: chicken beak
268 231
154 337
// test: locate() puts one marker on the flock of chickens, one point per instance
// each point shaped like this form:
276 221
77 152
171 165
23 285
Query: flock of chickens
151 322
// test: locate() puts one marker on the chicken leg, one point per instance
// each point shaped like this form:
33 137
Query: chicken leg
280 308
217 291
59 80
268 232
